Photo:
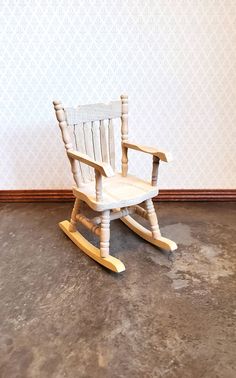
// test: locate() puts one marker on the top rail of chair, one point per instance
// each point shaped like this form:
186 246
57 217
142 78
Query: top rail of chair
93 112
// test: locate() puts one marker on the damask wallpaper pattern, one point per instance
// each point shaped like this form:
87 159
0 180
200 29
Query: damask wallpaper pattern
176 59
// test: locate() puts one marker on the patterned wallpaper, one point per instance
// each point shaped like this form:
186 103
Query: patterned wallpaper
176 59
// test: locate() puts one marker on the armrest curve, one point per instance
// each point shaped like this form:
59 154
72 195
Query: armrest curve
103 168
164 156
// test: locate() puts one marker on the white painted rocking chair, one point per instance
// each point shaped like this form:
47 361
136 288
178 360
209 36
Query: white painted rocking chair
114 195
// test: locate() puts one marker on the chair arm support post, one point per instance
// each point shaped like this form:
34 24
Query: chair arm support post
155 166
98 178
124 161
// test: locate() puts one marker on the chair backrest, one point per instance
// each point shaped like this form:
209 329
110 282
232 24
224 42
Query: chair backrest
89 129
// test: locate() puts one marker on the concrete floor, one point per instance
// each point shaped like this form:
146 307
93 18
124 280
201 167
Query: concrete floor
167 315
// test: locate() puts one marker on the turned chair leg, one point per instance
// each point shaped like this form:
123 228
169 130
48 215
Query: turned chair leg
105 233
75 211
152 219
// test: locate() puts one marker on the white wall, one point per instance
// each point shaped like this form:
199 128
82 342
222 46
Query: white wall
175 58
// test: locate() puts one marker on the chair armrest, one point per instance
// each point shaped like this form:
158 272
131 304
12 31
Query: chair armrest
103 168
164 156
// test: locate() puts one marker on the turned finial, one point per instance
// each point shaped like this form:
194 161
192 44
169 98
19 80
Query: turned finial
56 102
124 97
60 114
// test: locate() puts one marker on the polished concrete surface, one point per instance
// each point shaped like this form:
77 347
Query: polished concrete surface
168 315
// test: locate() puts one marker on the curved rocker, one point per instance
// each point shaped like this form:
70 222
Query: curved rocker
109 262
160 242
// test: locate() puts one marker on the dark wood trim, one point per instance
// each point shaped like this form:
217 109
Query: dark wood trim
224 195
65 195
36 195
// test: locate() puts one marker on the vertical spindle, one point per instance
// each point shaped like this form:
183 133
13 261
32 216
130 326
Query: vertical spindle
124 133
155 166
98 178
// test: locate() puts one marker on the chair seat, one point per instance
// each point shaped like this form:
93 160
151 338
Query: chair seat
118 191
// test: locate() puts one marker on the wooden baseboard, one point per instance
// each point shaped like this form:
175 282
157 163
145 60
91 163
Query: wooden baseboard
224 195
65 195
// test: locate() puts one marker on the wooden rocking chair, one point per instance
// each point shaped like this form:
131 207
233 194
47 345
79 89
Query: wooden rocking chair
114 195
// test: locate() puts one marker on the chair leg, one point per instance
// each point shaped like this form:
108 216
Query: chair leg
152 219
105 233
75 211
